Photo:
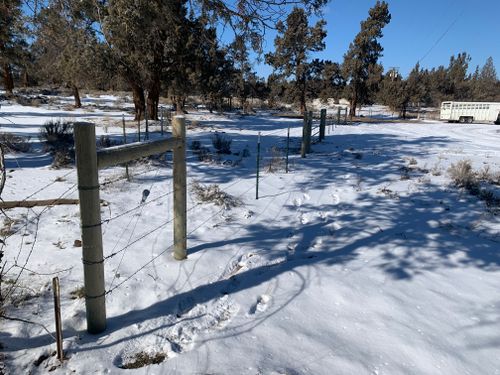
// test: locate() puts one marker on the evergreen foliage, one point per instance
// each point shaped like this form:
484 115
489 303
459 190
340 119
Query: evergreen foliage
360 66
291 57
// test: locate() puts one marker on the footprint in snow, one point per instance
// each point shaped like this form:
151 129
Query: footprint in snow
261 305
297 202
336 199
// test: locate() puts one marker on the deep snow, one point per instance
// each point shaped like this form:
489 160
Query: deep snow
364 259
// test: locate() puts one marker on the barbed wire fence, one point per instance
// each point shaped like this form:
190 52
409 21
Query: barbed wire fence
273 159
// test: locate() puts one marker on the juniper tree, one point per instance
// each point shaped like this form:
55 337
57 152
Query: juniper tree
360 62
394 92
12 43
292 49
457 86
485 82
332 81
65 47
238 53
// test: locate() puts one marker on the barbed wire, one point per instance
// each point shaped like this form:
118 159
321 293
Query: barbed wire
38 215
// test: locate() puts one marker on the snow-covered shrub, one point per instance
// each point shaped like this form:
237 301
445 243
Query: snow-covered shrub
58 138
57 135
276 162
195 145
15 143
214 194
221 143
463 175
105 141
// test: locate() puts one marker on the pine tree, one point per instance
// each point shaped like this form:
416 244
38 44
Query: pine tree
457 85
360 62
292 49
485 82
394 92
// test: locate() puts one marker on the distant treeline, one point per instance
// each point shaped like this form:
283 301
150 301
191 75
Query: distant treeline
172 49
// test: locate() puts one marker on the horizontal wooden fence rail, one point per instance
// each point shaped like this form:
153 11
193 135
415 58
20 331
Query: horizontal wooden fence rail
124 153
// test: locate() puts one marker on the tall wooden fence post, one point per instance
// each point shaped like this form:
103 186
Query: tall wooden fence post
303 147
309 131
322 125
180 193
90 215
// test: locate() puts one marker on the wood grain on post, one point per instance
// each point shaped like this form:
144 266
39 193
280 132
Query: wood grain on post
90 215
57 313
180 193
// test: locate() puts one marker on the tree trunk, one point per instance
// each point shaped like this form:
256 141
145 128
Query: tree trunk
76 94
179 102
139 101
26 78
8 80
153 101
354 104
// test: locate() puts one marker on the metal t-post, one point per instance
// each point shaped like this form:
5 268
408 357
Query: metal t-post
180 193
90 214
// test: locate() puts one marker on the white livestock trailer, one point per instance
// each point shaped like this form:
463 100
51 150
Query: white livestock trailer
468 112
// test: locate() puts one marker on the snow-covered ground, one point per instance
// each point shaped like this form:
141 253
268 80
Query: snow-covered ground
364 259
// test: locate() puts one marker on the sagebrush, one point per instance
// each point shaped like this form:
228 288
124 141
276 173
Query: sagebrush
214 194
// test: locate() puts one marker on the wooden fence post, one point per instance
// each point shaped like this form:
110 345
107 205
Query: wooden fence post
180 193
90 215
303 147
322 125
309 131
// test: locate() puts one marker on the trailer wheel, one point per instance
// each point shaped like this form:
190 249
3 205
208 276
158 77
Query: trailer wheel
461 120
470 120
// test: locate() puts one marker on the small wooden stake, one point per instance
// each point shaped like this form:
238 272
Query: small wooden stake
57 313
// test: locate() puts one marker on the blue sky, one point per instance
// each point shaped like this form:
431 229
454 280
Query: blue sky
417 31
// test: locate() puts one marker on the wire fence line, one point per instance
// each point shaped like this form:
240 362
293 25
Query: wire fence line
140 207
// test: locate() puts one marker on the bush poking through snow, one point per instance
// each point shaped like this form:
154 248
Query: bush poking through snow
462 175
277 162
15 143
143 359
58 138
57 134
105 141
195 146
213 194
221 143
77 293
465 177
